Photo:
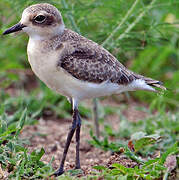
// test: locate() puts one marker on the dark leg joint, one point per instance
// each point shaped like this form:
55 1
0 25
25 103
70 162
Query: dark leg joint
58 172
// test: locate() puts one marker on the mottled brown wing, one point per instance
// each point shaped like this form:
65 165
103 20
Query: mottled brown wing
95 64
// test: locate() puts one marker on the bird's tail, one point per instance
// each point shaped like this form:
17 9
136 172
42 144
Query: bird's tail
155 83
151 83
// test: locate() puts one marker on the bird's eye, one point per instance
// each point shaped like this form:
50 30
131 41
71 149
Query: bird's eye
40 19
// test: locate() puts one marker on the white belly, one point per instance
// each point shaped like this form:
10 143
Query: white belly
62 82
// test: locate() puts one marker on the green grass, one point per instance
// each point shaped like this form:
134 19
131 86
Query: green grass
156 133
147 45
14 157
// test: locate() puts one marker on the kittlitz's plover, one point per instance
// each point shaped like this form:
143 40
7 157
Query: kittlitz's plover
73 65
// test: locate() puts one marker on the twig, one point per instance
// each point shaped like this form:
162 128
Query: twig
121 23
165 177
96 116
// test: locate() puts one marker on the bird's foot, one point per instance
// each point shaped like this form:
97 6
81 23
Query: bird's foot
73 172
58 172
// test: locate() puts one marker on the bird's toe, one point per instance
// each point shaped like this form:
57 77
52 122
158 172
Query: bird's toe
58 172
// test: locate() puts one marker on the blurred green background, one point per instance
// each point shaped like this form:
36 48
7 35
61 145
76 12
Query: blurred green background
148 45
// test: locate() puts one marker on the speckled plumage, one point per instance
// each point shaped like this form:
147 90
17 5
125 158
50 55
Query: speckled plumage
88 61
82 58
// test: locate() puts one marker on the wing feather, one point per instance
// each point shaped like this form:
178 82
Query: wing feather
90 62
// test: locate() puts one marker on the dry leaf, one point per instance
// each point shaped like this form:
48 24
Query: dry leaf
170 162
1 173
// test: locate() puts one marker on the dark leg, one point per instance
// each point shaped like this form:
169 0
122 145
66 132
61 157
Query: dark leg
77 163
76 125
68 141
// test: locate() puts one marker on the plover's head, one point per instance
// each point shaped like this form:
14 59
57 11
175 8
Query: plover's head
39 21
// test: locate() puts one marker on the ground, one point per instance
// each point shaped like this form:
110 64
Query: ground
54 132
51 131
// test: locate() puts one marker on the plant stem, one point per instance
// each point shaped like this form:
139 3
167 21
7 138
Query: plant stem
137 20
129 12
96 116
165 177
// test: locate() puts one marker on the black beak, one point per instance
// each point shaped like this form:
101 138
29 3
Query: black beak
15 28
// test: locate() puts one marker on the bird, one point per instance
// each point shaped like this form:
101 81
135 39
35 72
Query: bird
73 65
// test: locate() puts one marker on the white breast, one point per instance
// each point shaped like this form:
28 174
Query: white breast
44 65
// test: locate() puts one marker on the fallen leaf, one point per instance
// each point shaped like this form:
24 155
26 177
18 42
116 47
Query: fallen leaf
140 140
170 162
1 173
131 146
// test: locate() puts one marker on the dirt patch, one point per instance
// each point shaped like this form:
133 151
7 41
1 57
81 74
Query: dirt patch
51 135
118 158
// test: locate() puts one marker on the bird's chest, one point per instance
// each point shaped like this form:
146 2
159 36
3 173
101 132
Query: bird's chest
44 64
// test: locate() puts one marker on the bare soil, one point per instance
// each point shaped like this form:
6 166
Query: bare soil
53 137
50 133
